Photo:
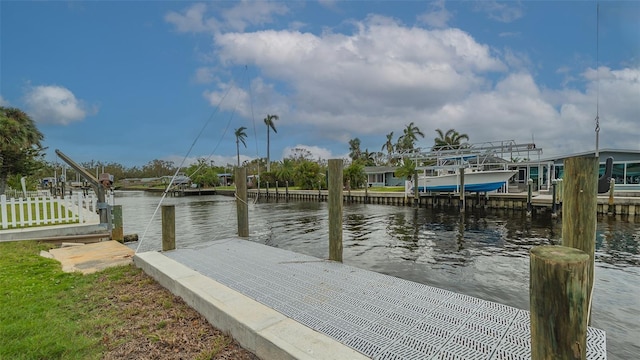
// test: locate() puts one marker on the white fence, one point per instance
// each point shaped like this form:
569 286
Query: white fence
38 211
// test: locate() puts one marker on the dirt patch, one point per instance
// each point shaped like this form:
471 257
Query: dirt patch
159 325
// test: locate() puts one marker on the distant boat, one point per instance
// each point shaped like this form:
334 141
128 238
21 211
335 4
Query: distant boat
474 181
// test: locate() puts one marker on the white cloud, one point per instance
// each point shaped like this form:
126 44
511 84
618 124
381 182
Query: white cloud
438 16
505 12
237 18
360 82
317 153
3 102
55 105
247 13
204 75
192 19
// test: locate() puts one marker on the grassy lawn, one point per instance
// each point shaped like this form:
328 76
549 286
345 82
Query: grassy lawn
116 313
45 311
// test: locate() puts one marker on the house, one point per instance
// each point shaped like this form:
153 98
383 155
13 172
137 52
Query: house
383 176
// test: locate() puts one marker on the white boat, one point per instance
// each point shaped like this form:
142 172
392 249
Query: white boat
474 181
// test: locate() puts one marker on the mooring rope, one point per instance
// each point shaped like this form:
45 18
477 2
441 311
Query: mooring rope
164 194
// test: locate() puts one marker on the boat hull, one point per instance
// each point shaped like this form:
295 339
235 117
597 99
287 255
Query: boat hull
481 181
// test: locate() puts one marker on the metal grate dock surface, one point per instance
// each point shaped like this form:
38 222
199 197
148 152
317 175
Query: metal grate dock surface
378 315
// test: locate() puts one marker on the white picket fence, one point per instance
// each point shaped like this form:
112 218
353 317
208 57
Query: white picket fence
38 211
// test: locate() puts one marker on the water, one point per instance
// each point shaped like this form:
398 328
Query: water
484 254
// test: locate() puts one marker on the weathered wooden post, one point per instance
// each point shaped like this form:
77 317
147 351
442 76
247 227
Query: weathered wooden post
334 182
554 213
168 227
276 190
117 233
529 196
242 208
267 190
416 195
579 209
611 206
286 190
319 192
461 203
366 192
558 294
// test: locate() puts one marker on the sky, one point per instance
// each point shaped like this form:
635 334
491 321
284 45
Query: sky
134 81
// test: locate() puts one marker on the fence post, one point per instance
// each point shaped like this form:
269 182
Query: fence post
558 296
168 227
241 202
334 182
579 209
117 233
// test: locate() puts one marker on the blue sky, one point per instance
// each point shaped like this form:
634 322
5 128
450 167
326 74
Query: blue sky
130 82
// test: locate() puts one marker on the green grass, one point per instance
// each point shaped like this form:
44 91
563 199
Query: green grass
46 313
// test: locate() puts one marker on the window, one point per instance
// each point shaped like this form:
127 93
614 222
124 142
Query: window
618 173
633 173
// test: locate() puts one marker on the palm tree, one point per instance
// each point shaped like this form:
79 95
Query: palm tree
20 147
241 135
451 139
409 137
354 149
269 122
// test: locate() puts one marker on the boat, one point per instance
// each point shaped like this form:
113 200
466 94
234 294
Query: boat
474 181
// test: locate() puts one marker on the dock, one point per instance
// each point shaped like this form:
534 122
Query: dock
285 305
541 202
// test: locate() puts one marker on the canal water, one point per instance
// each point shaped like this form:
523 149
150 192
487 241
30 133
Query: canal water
483 253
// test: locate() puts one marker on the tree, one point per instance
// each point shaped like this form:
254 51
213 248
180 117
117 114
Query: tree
368 158
409 137
307 175
450 140
20 147
354 174
270 125
407 169
241 137
354 149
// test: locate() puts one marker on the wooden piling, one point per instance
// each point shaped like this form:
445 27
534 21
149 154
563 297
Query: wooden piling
242 208
286 190
168 227
461 203
117 232
416 195
612 185
554 213
529 196
334 182
579 208
558 296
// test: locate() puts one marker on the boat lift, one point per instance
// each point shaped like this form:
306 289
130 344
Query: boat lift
496 149
104 210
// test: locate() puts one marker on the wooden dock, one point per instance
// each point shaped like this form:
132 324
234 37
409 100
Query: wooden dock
380 316
627 205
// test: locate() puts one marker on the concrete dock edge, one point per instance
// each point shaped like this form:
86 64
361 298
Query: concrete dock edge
258 328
